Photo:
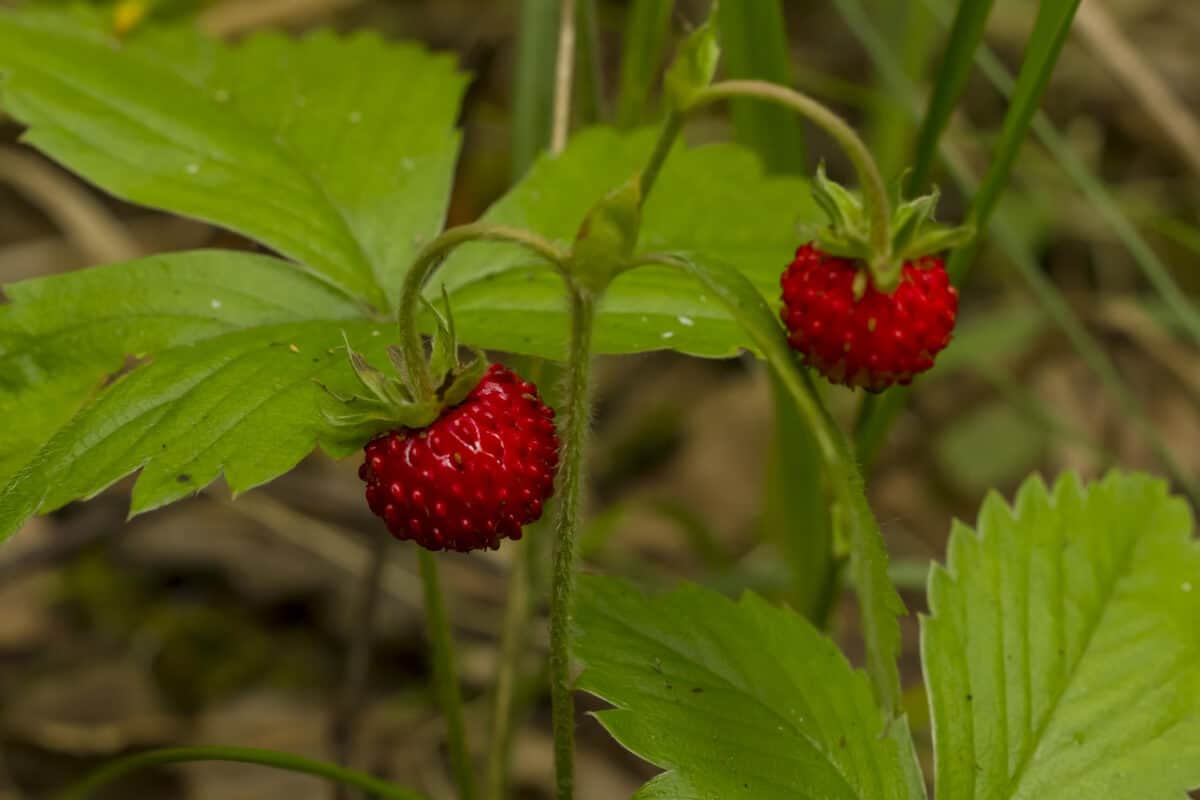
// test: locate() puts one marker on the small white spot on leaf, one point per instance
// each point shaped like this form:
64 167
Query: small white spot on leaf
355 117
688 321
668 334
192 169
215 303
408 164
1186 586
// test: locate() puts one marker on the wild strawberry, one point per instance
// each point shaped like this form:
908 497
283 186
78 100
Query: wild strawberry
865 303
876 340
474 476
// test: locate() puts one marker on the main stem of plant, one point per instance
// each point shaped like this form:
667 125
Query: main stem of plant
574 434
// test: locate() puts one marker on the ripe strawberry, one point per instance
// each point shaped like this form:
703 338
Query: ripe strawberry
473 476
878 339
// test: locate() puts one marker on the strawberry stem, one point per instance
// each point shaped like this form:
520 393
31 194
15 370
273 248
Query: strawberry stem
874 190
427 262
574 436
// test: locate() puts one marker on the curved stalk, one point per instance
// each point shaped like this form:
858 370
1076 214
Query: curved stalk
874 189
244 755
428 259
574 435
445 676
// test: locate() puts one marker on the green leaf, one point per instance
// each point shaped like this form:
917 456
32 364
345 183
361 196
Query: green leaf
504 299
337 152
1063 650
233 346
736 700
695 63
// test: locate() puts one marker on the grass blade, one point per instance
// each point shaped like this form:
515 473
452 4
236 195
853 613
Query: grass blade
966 34
533 82
754 45
1050 31
646 32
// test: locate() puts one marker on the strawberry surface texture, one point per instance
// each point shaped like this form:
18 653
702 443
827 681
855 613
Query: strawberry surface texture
475 476
877 340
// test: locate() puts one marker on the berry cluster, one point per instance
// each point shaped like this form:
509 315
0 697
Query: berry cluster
873 341
475 476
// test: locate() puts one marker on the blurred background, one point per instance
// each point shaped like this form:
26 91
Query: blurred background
231 622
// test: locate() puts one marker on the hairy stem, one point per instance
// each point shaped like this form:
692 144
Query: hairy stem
428 259
244 755
445 676
574 434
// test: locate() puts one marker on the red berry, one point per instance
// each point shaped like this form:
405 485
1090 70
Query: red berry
875 341
473 477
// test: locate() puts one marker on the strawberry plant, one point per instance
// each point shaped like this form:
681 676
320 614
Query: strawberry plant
1060 650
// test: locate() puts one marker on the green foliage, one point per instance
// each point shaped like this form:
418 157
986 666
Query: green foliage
736 700
1061 659
695 64
329 150
235 344
334 153
712 200
1063 650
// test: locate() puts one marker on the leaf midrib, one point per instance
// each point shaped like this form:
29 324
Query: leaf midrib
1119 573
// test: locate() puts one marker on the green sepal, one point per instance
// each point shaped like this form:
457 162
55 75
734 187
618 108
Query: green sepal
695 63
607 237
385 390
465 378
393 401
443 352
913 233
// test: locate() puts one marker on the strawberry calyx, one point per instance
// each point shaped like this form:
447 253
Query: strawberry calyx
395 400
912 233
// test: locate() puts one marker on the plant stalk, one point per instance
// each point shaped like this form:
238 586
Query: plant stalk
574 434
445 676
428 259
662 148
874 189
243 755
